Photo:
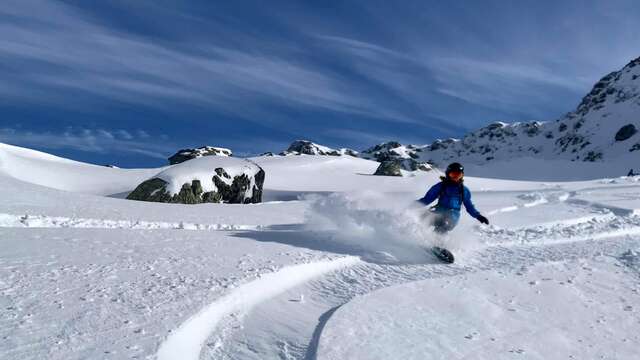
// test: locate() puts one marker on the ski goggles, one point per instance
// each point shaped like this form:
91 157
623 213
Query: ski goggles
456 173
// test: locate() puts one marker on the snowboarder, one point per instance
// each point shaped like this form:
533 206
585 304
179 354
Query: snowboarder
631 173
451 194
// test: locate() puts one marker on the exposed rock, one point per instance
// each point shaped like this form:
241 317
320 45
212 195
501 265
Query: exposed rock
235 192
531 129
593 156
237 182
626 132
391 150
389 168
188 154
306 147
393 167
350 152
151 190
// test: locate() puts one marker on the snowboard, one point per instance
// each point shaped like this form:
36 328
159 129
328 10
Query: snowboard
443 254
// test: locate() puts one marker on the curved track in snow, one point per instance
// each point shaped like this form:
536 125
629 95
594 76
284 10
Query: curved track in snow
508 251
186 342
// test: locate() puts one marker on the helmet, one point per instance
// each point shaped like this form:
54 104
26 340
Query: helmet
454 167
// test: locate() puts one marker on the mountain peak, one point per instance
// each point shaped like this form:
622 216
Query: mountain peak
603 127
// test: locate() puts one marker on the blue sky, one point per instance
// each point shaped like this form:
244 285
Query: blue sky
131 82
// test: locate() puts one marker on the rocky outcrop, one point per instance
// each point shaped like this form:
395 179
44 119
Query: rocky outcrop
306 147
626 132
389 168
188 154
391 150
236 182
392 167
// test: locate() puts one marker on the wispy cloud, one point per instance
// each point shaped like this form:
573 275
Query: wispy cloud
504 85
415 70
65 49
88 140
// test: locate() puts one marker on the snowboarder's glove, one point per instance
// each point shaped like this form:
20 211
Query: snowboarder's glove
483 219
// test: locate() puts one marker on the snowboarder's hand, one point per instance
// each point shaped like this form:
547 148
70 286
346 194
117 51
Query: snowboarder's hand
483 219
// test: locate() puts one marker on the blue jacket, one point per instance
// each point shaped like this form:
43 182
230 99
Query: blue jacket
450 199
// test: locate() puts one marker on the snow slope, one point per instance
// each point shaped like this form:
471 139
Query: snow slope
44 169
580 309
333 267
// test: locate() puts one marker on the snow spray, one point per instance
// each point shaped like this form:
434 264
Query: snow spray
377 223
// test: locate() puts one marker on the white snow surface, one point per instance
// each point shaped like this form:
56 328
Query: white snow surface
333 266
48 170
578 309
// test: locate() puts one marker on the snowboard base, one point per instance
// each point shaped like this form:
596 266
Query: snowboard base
443 254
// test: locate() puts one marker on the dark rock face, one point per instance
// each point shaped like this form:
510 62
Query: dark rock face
236 190
155 190
441 144
607 88
389 168
626 132
188 154
593 156
151 190
393 167
257 190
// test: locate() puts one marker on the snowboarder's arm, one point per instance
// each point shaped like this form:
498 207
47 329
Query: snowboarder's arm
468 204
431 195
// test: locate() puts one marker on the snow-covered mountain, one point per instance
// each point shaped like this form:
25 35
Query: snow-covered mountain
394 158
603 128
306 147
391 150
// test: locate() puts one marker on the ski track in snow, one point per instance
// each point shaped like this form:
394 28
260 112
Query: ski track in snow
186 342
537 198
43 221
588 237
597 227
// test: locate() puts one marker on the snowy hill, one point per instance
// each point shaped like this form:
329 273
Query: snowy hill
602 129
47 170
334 267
